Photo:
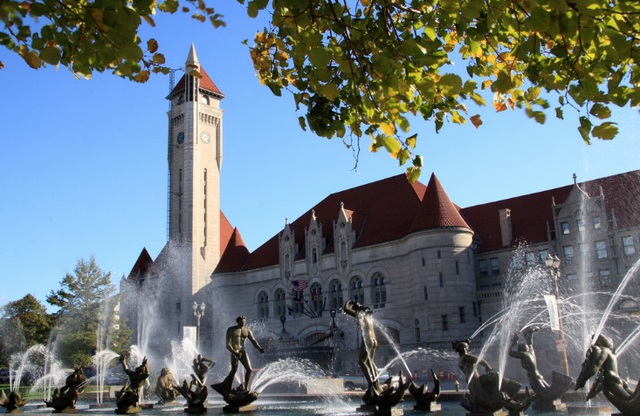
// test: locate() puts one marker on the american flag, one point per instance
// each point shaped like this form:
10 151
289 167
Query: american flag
299 285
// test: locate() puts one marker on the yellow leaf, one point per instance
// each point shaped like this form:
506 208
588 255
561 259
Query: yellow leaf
147 18
499 105
142 77
388 129
411 141
152 45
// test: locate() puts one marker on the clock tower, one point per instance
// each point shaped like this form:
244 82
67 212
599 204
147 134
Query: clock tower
195 158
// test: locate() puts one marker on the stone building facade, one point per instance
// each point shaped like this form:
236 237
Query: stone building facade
431 271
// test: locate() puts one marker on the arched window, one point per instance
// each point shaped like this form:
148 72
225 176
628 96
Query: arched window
378 290
314 255
263 305
280 303
356 291
316 298
336 294
416 328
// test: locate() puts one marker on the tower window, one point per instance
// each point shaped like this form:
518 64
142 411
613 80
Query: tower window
204 208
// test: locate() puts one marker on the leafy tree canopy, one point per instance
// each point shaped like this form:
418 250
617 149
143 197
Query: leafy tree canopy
370 67
81 300
25 322
33 319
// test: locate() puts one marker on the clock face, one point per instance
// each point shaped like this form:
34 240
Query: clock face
206 137
180 138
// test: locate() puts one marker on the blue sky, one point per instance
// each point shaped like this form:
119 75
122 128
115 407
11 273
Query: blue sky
84 163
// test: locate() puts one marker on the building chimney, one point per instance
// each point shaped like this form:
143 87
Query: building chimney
505 226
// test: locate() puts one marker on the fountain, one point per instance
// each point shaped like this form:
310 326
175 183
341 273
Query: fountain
378 399
128 398
547 395
64 398
13 402
488 393
426 400
238 398
601 362
166 388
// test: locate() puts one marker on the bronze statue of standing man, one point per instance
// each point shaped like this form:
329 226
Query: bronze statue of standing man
236 335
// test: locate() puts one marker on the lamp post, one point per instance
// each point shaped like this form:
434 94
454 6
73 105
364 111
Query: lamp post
553 264
198 311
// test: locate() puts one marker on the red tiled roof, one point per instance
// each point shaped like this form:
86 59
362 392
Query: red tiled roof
142 264
381 211
206 83
437 210
621 194
233 251
529 217
532 215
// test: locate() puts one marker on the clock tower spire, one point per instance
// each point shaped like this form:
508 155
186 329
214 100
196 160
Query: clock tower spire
195 159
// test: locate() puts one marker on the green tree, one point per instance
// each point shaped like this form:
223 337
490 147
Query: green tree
32 317
368 68
80 300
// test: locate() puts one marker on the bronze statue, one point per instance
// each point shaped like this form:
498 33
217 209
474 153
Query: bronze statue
13 403
369 344
201 367
196 395
601 362
425 399
128 398
64 398
236 335
484 395
166 387
545 393
241 395
383 396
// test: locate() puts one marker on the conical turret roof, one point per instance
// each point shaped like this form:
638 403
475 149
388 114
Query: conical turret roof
437 210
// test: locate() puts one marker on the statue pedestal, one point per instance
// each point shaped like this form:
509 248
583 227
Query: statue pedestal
380 411
427 408
129 410
66 410
588 410
238 409
549 406
195 410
